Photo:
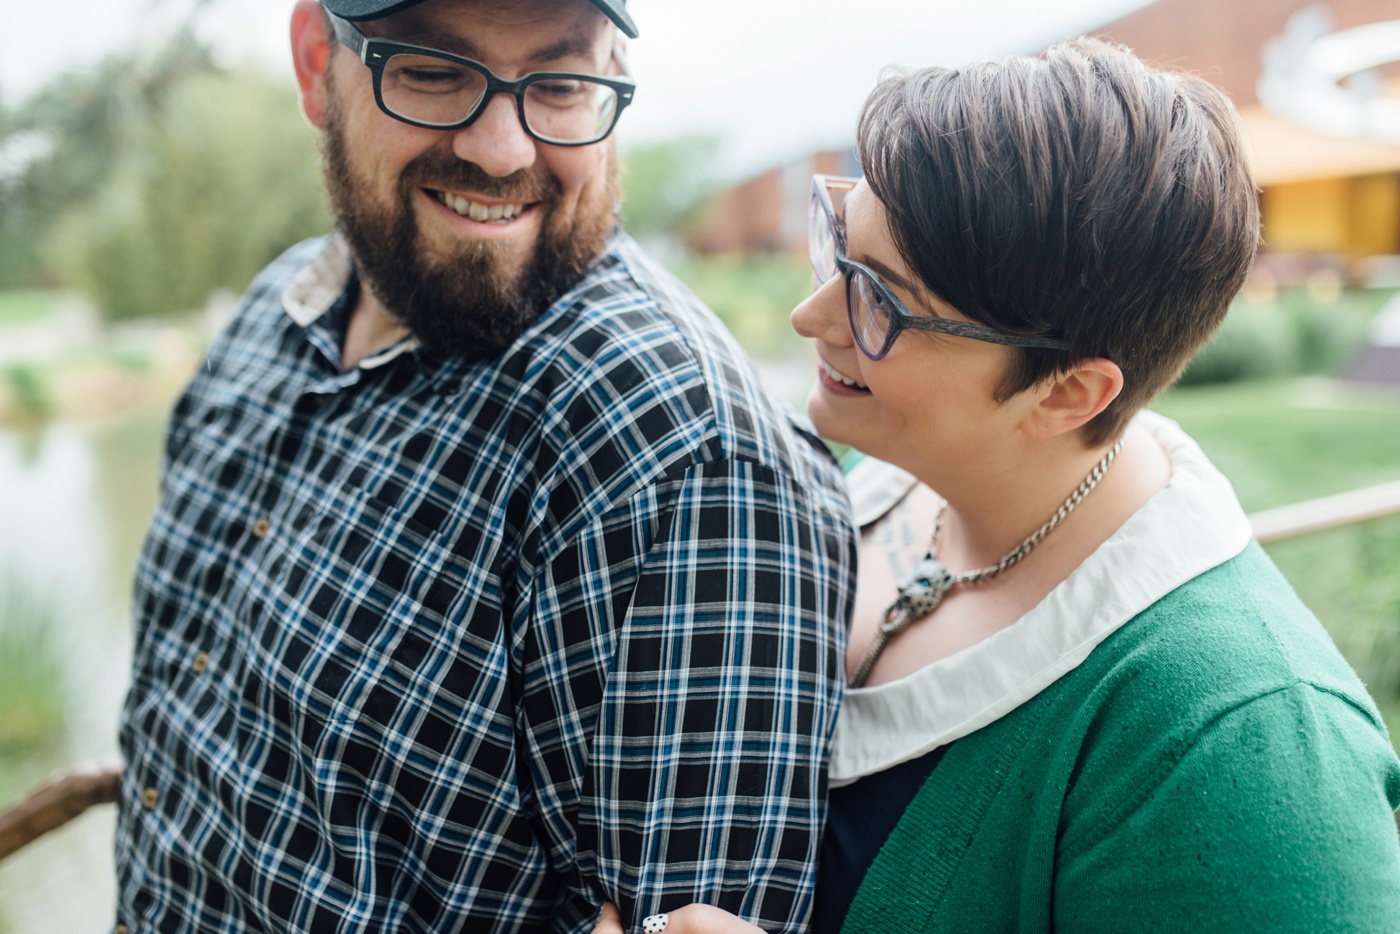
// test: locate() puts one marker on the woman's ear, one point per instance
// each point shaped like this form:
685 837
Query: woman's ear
311 57
1070 399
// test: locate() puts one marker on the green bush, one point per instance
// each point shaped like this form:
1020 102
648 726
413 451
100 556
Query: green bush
753 295
26 306
664 184
1328 335
31 703
72 135
1255 342
30 390
223 179
1291 335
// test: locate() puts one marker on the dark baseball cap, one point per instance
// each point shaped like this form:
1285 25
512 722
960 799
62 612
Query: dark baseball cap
356 10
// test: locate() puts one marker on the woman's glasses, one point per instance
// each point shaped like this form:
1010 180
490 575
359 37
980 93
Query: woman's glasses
877 315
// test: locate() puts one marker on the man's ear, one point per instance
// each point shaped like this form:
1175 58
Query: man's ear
1069 400
311 57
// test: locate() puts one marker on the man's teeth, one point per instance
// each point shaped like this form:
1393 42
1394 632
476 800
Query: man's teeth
479 212
844 380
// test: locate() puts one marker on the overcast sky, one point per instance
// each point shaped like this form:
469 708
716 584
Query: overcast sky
772 77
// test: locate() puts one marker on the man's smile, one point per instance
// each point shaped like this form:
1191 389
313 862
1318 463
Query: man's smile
498 213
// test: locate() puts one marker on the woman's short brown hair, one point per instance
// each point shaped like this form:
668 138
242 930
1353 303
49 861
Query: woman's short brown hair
1078 194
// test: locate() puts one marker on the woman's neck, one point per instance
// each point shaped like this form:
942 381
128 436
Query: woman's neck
989 514
986 518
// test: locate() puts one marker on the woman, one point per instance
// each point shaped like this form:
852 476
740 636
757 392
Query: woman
1087 700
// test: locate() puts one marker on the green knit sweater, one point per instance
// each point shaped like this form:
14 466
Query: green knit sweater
1214 765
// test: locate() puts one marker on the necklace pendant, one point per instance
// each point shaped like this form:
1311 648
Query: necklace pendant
924 589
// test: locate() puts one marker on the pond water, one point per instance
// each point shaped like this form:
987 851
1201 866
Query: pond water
73 506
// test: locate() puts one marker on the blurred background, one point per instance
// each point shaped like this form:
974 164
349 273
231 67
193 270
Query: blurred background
152 159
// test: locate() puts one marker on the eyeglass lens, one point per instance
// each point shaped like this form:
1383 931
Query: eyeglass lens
441 92
821 239
869 317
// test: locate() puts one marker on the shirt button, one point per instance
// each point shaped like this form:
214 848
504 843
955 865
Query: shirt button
261 528
149 798
201 662
119 929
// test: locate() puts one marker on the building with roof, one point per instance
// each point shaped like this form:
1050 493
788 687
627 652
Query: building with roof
1330 188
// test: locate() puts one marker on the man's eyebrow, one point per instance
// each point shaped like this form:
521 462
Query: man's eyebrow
574 46
457 45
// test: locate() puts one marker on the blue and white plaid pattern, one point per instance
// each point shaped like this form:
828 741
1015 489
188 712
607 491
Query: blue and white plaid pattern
440 645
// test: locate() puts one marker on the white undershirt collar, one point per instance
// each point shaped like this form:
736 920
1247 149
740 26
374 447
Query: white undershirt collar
1192 525
318 285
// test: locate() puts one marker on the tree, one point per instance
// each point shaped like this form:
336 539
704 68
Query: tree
223 180
165 178
71 136
664 184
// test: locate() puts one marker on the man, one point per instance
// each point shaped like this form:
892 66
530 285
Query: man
486 585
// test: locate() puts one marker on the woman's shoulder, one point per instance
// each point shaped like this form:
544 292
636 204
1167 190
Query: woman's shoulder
1227 675
1234 632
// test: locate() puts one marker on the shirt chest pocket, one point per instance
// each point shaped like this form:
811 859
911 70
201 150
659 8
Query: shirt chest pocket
365 609
375 680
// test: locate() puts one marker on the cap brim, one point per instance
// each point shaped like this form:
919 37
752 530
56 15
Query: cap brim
616 11
361 10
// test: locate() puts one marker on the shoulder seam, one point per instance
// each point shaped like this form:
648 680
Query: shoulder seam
1092 835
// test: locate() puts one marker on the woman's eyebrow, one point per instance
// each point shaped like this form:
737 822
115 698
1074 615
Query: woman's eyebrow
891 277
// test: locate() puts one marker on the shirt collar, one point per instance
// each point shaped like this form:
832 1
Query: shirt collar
320 284
1194 524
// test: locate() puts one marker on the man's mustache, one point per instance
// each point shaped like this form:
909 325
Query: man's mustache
446 172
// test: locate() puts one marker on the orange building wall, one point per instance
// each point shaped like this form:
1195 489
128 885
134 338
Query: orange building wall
767 213
1348 216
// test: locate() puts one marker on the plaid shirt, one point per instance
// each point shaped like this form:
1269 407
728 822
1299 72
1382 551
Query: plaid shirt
440 645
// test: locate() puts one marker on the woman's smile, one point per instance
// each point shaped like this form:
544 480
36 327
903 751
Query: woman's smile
834 380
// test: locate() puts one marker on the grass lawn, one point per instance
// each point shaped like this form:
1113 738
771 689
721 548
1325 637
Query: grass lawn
26 306
1284 442
1281 442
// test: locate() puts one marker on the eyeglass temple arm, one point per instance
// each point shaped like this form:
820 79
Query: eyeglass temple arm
982 333
838 182
349 35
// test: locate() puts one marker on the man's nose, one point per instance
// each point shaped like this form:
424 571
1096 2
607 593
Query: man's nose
496 141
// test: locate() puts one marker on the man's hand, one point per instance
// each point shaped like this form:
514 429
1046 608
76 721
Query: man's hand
692 919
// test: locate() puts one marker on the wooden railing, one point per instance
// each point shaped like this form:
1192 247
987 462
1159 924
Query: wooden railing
60 799
68 794
1329 512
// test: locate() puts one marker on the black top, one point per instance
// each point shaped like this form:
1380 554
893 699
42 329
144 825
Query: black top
860 818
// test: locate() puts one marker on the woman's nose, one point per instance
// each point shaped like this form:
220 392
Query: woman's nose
822 315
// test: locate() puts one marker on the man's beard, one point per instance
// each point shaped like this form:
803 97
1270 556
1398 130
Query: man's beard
472 304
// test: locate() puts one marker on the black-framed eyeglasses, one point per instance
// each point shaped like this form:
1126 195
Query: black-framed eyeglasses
440 91
876 314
